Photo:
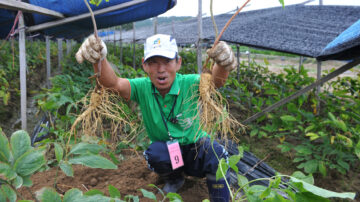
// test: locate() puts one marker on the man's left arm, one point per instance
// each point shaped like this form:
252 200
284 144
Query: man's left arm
225 62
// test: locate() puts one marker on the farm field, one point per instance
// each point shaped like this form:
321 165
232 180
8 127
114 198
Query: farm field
132 173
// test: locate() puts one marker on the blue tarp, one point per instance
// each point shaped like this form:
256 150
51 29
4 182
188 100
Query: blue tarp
84 27
345 46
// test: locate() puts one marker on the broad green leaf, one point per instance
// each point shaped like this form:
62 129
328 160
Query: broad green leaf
148 194
311 166
313 136
343 164
304 150
84 148
254 132
20 143
284 147
174 197
27 181
25 201
288 118
256 190
233 160
323 192
4 148
7 171
222 169
265 193
276 182
345 140
114 193
72 194
59 152
301 176
67 168
29 162
94 192
49 194
93 161
309 128
309 197
341 125
17 182
243 182
9 192
357 149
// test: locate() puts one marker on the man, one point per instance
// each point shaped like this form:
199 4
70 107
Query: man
168 102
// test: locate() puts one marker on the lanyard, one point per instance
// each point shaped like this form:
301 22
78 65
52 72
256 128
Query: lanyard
162 113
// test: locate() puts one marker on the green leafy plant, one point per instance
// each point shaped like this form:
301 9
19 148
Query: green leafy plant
174 197
18 161
76 195
297 187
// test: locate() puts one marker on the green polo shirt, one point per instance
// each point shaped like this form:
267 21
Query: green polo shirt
185 90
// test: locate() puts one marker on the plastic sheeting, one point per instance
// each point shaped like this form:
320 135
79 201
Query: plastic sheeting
84 27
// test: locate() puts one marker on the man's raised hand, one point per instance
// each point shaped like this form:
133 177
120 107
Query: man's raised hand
92 49
223 55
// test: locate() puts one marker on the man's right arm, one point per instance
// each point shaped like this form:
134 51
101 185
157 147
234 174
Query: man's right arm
94 50
110 80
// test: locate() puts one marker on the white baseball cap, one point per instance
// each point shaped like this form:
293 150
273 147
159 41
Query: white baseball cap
160 45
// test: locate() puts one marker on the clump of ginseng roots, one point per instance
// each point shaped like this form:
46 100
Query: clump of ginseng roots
103 112
214 111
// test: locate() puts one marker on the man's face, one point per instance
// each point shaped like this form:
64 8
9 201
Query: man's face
162 72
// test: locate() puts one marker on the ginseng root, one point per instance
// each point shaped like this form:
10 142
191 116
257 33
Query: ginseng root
213 107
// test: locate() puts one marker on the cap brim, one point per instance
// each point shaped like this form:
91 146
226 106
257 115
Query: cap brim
162 53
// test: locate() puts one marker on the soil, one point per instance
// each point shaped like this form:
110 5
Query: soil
132 174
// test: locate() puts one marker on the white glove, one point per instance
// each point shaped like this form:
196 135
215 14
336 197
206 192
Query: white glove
92 50
223 55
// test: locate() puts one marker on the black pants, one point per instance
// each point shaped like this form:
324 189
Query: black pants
199 158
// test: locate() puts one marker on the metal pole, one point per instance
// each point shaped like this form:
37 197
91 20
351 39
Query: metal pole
22 61
318 88
114 43
199 42
238 61
121 48
68 46
48 64
300 62
60 54
155 24
134 45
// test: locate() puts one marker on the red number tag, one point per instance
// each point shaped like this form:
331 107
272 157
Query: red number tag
175 154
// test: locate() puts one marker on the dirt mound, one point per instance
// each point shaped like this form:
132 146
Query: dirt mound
131 175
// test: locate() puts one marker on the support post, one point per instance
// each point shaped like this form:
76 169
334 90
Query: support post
48 62
114 43
121 48
60 53
238 61
22 61
134 45
318 88
301 62
68 46
199 42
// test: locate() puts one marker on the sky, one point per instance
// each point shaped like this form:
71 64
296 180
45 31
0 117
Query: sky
190 7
